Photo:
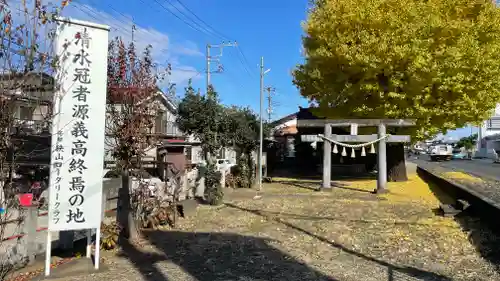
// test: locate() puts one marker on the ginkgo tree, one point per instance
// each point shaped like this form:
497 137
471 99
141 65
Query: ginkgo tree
434 61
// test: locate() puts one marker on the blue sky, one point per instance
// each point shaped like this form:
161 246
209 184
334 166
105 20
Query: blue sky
271 29
262 28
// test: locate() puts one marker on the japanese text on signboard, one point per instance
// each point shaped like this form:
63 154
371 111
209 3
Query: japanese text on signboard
79 131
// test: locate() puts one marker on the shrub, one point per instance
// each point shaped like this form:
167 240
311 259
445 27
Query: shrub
109 235
213 189
244 171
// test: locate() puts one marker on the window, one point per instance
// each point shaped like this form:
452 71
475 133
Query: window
159 123
290 147
171 128
493 123
26 112
189 153
221 153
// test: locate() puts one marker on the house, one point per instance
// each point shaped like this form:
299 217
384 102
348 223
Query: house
169 142
27 99
283 131
32 97
488 137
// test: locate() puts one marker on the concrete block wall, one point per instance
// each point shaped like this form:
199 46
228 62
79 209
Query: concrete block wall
16 250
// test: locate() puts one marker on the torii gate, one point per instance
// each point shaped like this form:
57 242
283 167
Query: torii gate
366 140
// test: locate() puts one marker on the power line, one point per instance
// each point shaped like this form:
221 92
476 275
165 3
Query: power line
224 37
193 24
116 11
210 29
93 15
124 30
245 60
175 15
244 67
193 21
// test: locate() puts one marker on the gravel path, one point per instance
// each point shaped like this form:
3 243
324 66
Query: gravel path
293 233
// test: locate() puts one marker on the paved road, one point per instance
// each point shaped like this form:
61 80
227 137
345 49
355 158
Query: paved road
480 168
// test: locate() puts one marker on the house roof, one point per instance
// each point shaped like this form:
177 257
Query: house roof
305 113
27 81
289 130
129 94
171 104
495 137
284 119
167 101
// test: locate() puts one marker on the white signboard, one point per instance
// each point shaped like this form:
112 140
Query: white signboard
78 126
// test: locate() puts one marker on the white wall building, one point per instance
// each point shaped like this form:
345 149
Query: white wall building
488 143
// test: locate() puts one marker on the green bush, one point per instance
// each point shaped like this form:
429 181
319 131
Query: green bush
244 171
213 189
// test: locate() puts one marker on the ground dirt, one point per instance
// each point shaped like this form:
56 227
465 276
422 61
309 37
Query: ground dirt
290 231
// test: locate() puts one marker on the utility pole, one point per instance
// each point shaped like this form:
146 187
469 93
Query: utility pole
216 59
270 92
208 66
261 114
133 29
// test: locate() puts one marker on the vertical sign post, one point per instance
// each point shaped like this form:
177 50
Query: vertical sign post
78 122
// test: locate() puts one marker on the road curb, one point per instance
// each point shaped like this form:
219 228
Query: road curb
459 190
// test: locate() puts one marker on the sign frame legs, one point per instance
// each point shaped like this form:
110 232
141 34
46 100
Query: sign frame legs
48 249
327 159
48 252
89 244
97 247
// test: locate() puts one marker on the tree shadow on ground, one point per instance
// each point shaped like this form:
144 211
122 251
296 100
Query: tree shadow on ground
294 173
144 262
317 177
309 185
316 185
479 220
407 272
355 189
269 214
228 256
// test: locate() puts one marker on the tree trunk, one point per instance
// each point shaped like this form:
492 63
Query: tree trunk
396 166
124 209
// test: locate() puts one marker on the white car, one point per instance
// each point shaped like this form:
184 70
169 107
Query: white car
224 164
440 152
